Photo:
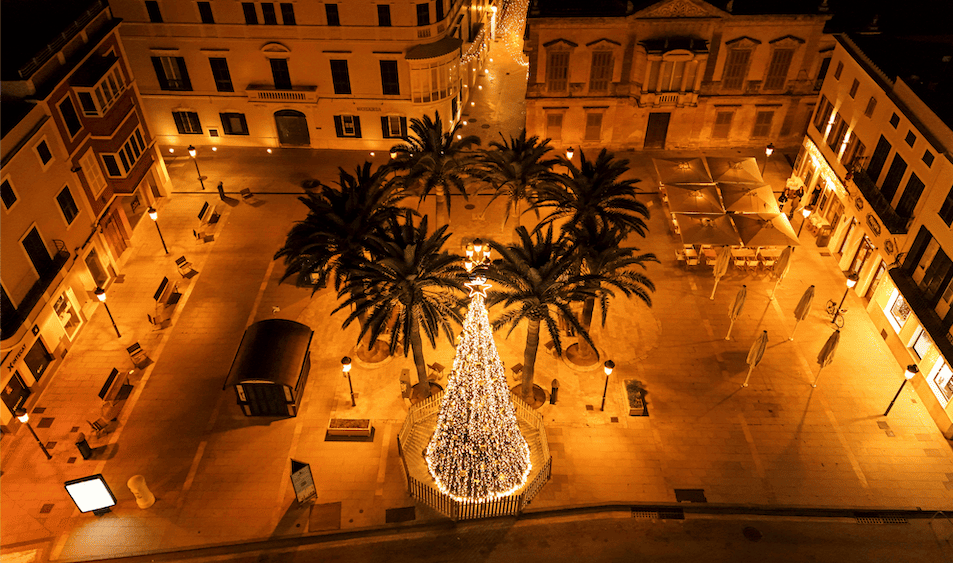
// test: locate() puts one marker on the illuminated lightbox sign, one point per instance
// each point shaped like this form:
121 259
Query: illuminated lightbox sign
91 494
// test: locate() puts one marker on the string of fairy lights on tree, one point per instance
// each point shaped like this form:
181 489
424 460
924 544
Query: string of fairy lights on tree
511 26
477 452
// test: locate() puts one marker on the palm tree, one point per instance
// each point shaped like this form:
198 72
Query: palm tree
335 235
432 159
536 285
593 196
514 169
605 266
410 286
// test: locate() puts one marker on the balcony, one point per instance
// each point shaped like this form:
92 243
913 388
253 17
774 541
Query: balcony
10 324
268 93
661 99
894 223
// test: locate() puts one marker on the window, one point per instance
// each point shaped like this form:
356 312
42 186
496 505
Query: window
67 205
943 382
340 78
928 158
762 123
97 99
838 70
43 151
187 122
910 197
557 71
946 210
287 13
393 126
837 134
152 7
234 123
554 126
894 174
736 68
251 17
910 139
778 69
824 109
922 343
383 15
279 71
70 118
423 14
171 73
879 158
433 81
854 152
347 125
332 12
390 82
593 126
871 106
89 165
205 12
722 124
223 80
7 194
894 120
438 10
853 88
119 164
601 72
268 13
821 73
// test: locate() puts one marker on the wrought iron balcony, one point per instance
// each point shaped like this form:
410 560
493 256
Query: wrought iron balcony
892 221
10 324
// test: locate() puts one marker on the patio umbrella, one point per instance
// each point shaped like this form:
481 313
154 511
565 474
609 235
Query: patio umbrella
755 354
826 355
694 198
803 308
735 310
765 229
682 170
735 170
721 266
781 267
707 229
748 198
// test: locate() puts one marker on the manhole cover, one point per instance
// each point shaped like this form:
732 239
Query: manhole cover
485 126
469 206
46 509
614 419
589 407
751 534
472 120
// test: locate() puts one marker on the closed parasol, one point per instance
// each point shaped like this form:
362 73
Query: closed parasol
755 354
781 267
803 308
721 266
735 310
826 355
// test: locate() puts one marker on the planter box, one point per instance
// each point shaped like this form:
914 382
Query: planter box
635 398
349 427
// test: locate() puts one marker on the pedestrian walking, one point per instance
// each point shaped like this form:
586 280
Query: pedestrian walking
221 191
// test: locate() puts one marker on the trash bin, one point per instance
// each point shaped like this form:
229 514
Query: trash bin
553 392
83 446
824 235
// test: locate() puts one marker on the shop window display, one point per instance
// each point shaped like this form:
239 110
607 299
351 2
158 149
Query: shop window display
942 383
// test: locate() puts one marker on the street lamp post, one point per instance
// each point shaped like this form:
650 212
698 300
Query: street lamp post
192 153
607 367
569 153
101 295
804 213
154 215
768 151
851 282
346 366
912 370
23 417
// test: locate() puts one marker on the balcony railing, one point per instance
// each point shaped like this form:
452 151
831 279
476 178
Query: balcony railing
894 223
301 94
10 324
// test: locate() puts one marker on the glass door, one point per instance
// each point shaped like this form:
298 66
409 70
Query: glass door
15 392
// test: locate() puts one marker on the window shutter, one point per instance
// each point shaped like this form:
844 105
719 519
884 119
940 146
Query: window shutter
403 127
160 74
357 127
338 126
196 125
385 129
184 72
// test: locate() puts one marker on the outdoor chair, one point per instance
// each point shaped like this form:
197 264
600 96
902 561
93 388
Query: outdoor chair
691 261
185 267
137 354
246 194
753 264
100 426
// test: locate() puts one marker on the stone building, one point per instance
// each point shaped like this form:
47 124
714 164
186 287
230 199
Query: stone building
672 74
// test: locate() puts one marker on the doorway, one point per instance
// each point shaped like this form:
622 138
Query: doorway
656 130
36 250
38 359
96 270
15 392
292 127
114 236
864 250
874 283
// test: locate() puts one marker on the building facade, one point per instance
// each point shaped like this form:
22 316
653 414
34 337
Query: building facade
876 161
342 75
79 169
673 74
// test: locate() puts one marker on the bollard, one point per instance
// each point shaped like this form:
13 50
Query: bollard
144 497
554 391
83 446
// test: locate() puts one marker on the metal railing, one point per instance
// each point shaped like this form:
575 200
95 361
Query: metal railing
305 94
893 222
61 40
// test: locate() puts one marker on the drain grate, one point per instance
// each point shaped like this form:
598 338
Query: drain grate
879 518
590 408
690 495
614 419
644 514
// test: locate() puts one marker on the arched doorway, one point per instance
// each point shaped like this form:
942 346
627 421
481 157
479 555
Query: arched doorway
292 127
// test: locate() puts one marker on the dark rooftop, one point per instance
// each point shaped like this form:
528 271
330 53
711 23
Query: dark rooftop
11 112
608 8
28 26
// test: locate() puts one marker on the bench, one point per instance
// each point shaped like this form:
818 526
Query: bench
166 295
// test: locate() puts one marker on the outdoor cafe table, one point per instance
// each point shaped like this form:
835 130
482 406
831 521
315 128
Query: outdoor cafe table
771 252
710 254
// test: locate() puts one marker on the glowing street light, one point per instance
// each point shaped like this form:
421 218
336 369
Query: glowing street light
101 295
607 367
569 153
912 371
154 215
23 417
851 282
346 367
192 153
768 151
804 213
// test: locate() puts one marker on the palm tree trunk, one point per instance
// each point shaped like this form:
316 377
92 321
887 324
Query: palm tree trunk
529 359
417 346
585 350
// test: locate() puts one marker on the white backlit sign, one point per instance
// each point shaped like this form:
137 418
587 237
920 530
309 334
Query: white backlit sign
90 493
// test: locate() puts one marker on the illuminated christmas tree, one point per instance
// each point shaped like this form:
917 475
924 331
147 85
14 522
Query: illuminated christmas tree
477 452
